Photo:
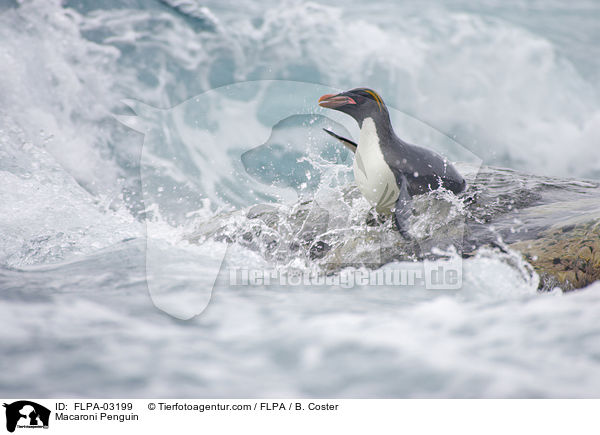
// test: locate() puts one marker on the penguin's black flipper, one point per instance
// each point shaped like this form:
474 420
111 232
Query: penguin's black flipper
402 208
347 142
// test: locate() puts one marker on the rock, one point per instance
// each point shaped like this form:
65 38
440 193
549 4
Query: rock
567 256
554 223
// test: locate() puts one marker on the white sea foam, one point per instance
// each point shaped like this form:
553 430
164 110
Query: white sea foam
73 284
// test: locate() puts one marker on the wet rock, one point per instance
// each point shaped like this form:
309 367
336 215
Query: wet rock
568 258
318 250
554 223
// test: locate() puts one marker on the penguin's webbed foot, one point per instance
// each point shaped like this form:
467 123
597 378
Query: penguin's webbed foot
375 219
402 209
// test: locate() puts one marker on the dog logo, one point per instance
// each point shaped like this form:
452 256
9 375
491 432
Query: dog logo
26 414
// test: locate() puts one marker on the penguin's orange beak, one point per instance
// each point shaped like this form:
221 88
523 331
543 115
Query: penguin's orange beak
331 101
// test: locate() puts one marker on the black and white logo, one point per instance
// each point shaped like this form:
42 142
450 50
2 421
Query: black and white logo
26 414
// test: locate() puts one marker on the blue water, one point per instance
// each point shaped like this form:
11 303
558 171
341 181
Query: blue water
514 83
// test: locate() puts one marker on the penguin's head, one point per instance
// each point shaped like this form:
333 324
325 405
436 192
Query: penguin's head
359 103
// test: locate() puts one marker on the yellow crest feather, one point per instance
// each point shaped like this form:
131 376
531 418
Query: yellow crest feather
376 97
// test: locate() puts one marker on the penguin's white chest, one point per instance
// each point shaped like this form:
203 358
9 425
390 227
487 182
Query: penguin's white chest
373 176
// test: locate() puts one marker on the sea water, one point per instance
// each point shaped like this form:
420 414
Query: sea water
515 83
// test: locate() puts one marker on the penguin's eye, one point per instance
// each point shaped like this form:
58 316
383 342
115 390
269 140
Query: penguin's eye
359 99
